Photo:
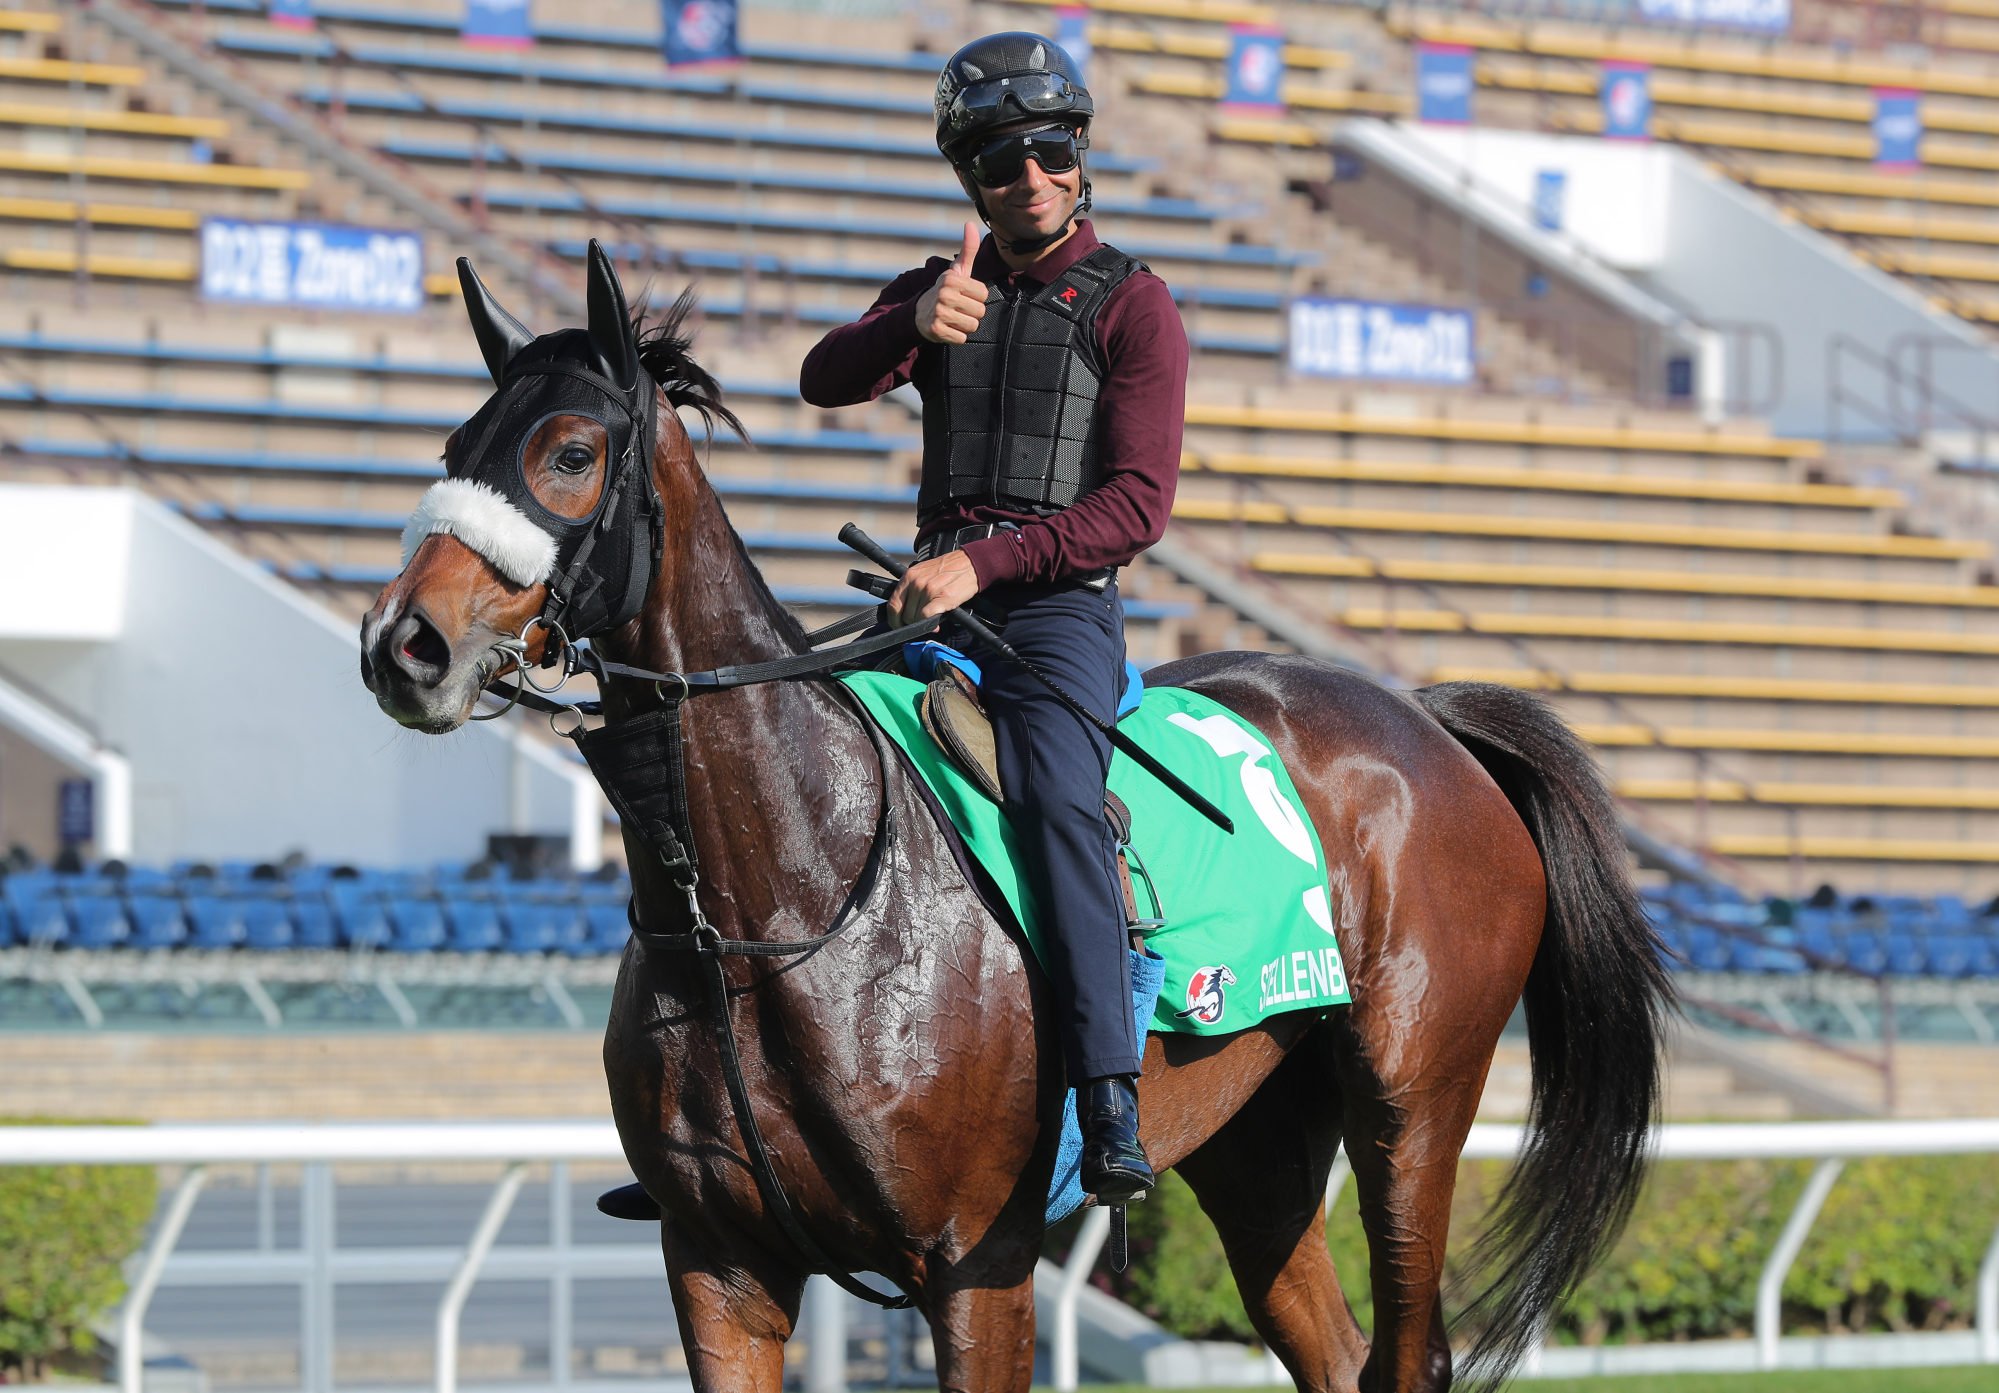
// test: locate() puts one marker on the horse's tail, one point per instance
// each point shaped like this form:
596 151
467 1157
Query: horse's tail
1597 998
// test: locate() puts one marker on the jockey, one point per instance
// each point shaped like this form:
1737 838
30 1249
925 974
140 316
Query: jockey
1053 373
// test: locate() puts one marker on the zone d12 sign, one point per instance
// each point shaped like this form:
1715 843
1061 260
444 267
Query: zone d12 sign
311 265
1367 339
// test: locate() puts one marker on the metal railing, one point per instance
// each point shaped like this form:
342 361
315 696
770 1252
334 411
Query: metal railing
315 1266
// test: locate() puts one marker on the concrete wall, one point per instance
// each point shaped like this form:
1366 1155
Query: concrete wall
1730 259
238 703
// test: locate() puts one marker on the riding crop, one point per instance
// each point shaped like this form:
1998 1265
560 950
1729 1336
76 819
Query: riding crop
867 546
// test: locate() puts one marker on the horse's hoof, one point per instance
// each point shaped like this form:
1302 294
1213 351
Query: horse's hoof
628 1202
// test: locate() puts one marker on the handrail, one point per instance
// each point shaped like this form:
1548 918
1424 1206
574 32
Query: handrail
510 1143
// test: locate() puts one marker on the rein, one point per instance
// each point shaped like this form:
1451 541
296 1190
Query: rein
639 765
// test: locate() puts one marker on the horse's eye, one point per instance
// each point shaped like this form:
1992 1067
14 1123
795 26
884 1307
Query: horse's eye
574 459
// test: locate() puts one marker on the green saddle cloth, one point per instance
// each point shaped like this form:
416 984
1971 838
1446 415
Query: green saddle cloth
1248 924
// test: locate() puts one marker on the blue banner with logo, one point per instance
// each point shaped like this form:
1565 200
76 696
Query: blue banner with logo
1763 16
1397 343
1898 128
1626 89
1256 70
700 31
1072 32
497 24
76 812
293 14
1443 84
1551 187
311 265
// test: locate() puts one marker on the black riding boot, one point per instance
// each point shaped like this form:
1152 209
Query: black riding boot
1114 1166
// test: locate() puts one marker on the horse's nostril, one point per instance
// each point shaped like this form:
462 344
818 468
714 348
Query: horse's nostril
419 649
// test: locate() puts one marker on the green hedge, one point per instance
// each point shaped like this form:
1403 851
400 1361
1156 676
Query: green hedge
1897 1247
64 1231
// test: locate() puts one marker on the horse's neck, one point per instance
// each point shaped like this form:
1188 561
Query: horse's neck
781 784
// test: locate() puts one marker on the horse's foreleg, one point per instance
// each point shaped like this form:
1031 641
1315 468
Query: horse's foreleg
734 1316
983 1335
1274 1229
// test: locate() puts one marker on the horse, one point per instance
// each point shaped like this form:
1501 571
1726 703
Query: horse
904 1075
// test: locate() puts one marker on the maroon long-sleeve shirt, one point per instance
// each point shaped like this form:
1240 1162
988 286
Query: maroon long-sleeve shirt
1141 410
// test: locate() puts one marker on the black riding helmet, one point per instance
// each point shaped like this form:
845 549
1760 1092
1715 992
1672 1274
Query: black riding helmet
1003 82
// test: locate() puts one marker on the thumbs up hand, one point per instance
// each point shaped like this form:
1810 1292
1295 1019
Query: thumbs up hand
952 308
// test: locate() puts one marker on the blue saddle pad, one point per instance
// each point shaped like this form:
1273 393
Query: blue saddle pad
926 655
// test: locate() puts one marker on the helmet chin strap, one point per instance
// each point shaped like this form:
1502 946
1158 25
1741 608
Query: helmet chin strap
1028 245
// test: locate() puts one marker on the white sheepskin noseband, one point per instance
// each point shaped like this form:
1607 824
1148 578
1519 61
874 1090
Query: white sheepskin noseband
486 522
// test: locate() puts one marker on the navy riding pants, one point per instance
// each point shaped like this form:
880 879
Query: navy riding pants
1052 767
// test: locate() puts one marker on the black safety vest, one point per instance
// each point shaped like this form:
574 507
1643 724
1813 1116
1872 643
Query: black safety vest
1010 415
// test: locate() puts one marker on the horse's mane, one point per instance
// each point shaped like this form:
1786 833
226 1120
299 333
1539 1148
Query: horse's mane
665 351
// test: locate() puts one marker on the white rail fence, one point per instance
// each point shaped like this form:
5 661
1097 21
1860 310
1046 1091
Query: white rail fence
316 1266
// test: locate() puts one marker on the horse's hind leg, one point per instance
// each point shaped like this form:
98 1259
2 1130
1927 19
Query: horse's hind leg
734 1317
1406 1117
1262 1180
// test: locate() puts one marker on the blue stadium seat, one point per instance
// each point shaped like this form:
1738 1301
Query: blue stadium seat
1707 949
312 923
534 927
416 926
267 924
98 921
1908 955
609 928
357 911
474 924
1864 951
40 919
157 922
215 922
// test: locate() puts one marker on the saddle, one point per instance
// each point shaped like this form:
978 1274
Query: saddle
957 721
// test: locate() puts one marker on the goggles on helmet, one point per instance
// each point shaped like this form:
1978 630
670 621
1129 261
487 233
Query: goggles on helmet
985 104
1002 161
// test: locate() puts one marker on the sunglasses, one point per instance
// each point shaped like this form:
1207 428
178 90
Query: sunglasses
994 166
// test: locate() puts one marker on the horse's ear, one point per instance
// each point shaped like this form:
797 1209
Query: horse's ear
500 335
611 320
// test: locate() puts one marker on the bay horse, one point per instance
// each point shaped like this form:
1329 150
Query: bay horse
905 1076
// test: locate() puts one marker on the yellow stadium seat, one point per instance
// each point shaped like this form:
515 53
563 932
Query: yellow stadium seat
1693 442
1825 742
148 268
123 122
61 70
155 171
64 210
1809 794
28 22
1854 849
1542 480
1646 629
1621 578
1199 11
1578 529
1651 684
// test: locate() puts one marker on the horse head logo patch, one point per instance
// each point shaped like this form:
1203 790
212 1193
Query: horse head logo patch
1206 994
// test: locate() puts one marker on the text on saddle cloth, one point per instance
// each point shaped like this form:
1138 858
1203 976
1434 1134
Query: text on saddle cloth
1250 927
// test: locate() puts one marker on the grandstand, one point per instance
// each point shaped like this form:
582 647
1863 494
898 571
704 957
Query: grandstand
1781 640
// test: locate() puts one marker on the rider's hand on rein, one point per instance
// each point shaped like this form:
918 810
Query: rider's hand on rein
934 587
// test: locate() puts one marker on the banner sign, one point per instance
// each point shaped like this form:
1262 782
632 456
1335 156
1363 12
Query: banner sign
292 14
1072 32
76 812
699 31
311 265
1256 70
1898 128
1551 187
1443 84
1397 343
497 24
1763 16
1627 101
